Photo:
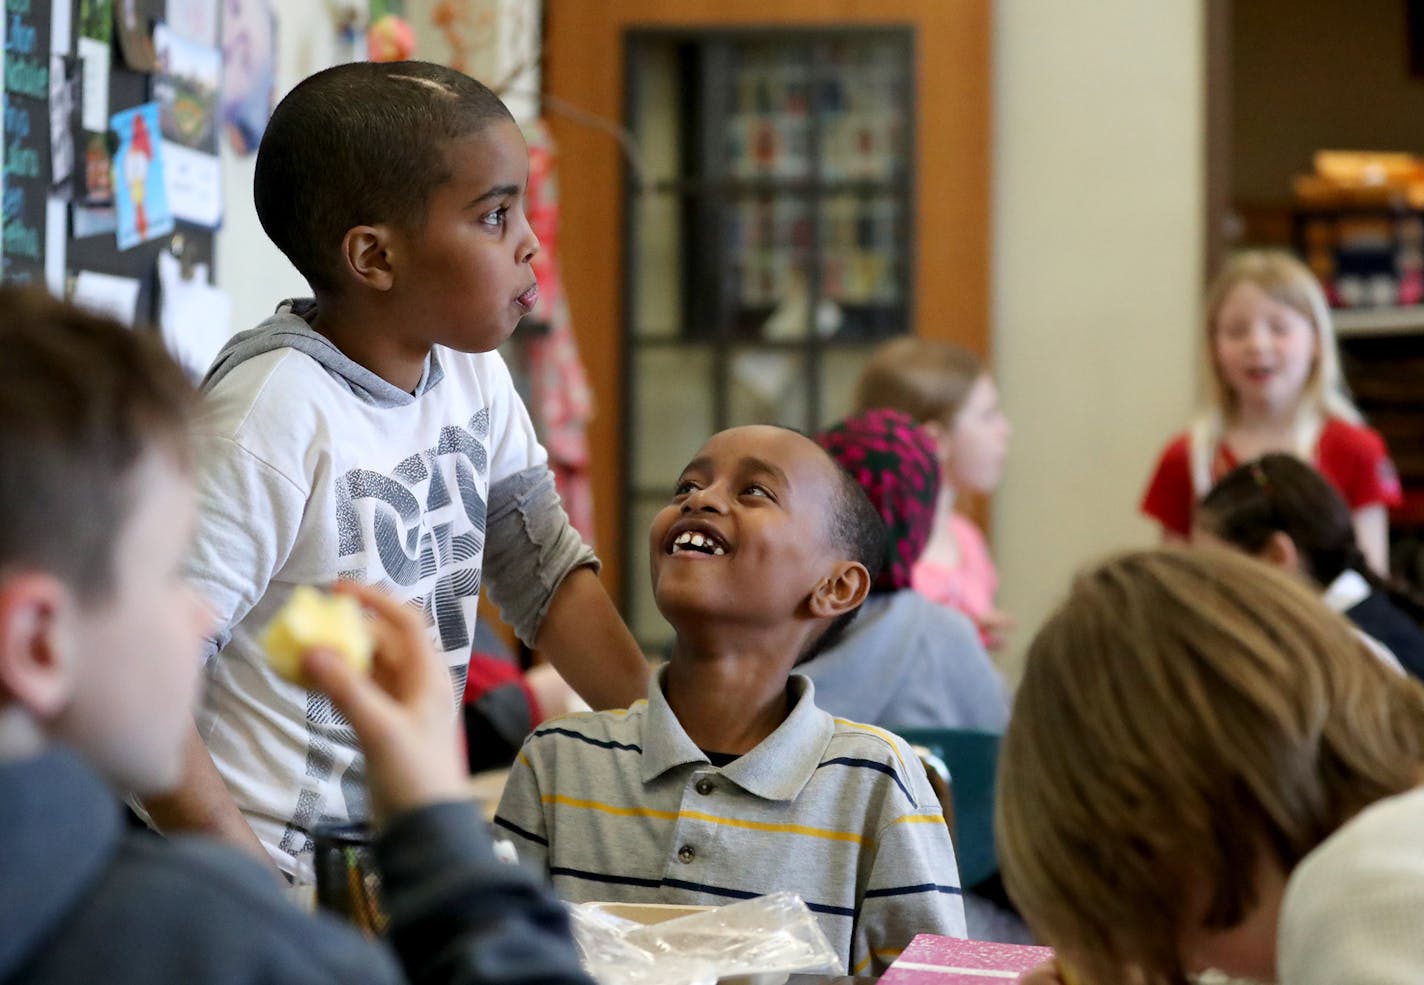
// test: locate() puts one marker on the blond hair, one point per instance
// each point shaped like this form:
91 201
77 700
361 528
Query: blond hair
927 379
1182 717
1286 280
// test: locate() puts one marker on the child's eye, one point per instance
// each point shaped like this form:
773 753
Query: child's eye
495 218
684 487
757 490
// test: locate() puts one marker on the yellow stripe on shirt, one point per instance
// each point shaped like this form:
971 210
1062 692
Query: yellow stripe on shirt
730 822
884 954
595 805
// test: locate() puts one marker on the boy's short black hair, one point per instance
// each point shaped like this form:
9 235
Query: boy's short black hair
82 400
859 531
361 144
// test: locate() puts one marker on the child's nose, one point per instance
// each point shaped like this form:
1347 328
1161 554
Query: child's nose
705 498
529 245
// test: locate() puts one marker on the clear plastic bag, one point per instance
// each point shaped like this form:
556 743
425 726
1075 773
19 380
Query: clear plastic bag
759 940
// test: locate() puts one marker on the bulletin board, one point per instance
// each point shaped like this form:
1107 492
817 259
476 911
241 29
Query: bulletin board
63 78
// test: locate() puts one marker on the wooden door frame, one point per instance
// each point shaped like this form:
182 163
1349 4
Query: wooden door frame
1217 52
584 66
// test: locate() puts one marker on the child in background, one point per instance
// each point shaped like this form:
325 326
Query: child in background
904 661
946 389
99 640
373 435
1274 384
1281 511
729 782
1206 768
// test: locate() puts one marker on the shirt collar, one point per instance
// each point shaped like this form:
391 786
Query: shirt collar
777 769
1348 590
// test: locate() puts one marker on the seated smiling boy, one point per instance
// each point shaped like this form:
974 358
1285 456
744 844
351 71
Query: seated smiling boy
729 782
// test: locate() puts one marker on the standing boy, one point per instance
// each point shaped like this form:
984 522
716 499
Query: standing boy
372 435
729 782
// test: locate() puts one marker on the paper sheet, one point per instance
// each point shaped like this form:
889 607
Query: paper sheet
106 294
186 90
194 317
94 114
56 244
194 184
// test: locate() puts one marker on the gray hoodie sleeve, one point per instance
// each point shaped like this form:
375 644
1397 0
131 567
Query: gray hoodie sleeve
530 547
458 915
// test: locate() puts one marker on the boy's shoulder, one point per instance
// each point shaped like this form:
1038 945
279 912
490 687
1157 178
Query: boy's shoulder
868 741
619 728
881 759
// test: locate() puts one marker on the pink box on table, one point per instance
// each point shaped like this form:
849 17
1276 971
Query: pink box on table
934 960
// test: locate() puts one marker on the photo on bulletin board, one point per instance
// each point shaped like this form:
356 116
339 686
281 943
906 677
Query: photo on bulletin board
186 90
140 194
249 84
96 19
134 20
63 118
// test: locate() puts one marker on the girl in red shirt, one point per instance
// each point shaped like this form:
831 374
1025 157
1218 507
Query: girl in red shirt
1274 385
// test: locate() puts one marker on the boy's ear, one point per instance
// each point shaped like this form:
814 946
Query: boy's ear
841 591
365 250
1280 551
36 659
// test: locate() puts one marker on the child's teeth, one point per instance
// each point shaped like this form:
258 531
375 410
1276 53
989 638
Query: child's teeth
698 540
718 552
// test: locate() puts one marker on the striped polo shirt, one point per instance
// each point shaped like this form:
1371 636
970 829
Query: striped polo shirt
622 806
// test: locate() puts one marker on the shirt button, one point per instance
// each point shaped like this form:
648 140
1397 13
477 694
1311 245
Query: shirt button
705 786
685 854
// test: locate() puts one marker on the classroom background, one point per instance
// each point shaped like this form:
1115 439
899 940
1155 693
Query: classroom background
744 196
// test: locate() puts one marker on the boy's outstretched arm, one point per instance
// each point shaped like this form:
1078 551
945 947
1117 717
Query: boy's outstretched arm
201 803
544 580
587 642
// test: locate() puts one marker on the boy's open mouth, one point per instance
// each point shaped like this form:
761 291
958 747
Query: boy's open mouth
701 541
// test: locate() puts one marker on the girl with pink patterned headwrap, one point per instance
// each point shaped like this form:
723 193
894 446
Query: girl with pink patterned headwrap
904 661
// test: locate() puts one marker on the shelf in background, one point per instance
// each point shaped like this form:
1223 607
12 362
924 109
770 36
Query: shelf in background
750 186
1379 321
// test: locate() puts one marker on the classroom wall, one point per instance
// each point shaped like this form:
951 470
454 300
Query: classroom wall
248 266
1098 218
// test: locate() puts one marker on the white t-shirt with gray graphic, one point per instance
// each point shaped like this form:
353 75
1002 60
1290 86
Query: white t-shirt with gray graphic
313 469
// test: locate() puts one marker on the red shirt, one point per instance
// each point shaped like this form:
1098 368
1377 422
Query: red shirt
1351 456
